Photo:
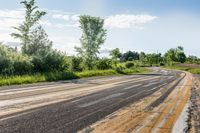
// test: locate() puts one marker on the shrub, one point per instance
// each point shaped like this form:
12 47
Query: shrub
50 61
103 64
76 64
129 65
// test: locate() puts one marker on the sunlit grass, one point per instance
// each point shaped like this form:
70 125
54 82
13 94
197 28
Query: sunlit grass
55 76
189 69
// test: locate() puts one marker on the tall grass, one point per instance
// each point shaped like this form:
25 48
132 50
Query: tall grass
183 68
55 76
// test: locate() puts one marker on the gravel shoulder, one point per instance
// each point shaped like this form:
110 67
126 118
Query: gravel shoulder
195 106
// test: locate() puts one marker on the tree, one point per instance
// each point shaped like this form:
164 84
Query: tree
130 56
175 55
93 37
143 57
33 15
193 59
154 58
39 42
180 55
115 53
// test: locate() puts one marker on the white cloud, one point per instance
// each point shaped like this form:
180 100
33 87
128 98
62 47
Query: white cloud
12 13
60 16
8 19
128 21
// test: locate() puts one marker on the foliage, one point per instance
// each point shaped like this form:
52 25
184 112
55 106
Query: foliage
130 56
50 61
39 42
154 58
12 62
103 64
129 65
92 38
33 15
115 53
175 55
76 64
54 76
193 60
183 68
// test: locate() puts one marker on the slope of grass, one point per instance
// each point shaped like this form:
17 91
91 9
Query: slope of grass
56 76
188 69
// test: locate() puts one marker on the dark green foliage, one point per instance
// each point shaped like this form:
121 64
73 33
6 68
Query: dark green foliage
129 65
50 61
23 66
175 55
154 59
12 62
76 64
193 60
130 56
103 64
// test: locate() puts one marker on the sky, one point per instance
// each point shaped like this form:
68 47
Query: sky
136 25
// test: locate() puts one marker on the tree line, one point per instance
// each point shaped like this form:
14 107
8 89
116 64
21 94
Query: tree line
38 56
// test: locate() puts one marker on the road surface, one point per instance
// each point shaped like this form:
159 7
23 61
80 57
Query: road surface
67 107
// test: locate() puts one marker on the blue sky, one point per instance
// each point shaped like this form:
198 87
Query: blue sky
141 25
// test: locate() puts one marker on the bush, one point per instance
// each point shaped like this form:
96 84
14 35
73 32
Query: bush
51 61
23 67
129 65
76 64
103 64
12 62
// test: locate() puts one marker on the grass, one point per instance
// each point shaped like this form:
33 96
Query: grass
188 69
56 76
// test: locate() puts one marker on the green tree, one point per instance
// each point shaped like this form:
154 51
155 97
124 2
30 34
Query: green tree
93 37
39 42
130 56
193 59
154 59
180 55
33 15
115 53
143 57
175 55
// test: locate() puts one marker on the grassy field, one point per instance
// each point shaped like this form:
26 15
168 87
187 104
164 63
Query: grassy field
56 76
184 68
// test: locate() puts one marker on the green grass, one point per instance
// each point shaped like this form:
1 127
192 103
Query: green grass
55 76
188 69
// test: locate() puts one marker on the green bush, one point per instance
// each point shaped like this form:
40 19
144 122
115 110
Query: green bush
103 64
76 64
129 65
50 61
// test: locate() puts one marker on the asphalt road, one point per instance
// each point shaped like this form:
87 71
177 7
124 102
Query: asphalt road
67 107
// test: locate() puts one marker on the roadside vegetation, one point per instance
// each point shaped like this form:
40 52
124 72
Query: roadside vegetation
36 60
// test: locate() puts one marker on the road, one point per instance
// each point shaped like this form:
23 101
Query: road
67 107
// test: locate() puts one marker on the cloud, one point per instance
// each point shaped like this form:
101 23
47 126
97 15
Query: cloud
10 18
60 16
128 21
19 13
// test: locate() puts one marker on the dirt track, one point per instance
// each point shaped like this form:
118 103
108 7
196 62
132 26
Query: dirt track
70 107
